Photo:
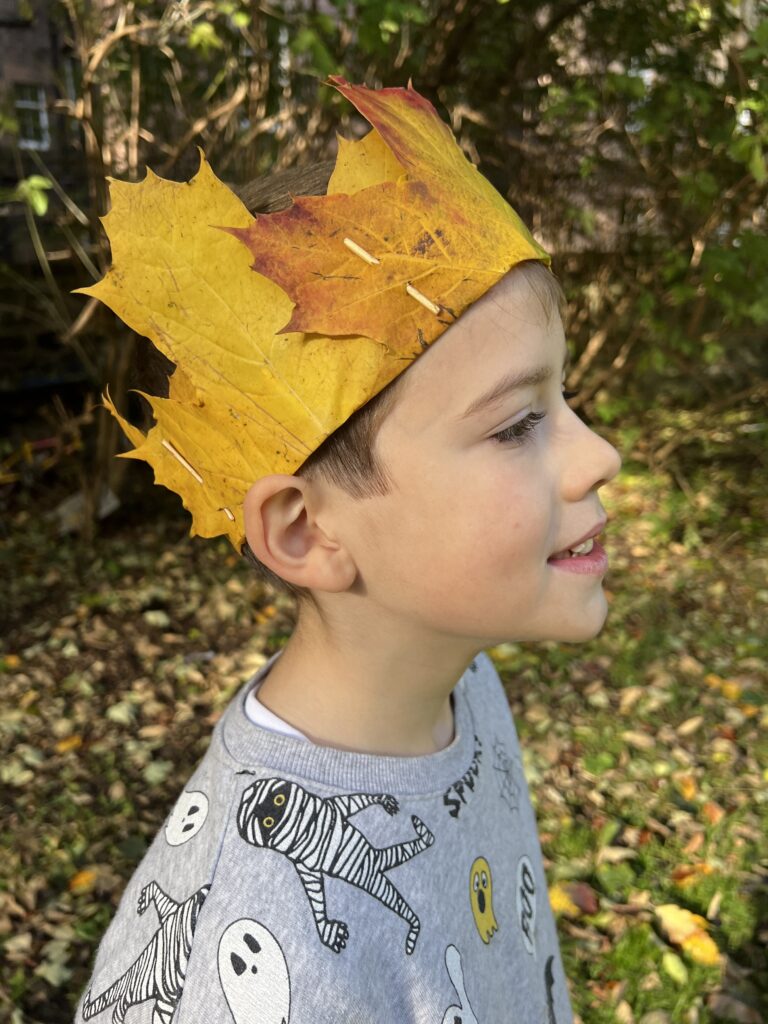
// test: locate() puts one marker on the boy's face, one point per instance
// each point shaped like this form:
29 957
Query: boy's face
463 544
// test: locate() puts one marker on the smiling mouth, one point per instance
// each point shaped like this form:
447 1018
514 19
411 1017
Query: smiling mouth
578 551
584 546
588 558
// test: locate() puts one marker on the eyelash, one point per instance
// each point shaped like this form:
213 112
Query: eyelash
520 431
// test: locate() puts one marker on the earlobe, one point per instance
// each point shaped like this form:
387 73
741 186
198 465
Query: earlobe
283 532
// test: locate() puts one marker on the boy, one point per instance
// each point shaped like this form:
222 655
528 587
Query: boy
358 843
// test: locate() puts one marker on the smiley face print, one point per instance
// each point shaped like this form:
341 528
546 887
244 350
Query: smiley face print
187 817
481 899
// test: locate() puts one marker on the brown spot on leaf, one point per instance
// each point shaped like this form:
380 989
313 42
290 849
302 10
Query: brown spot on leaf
422 244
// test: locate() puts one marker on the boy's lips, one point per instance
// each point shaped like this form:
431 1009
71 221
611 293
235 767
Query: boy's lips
592 563
565 553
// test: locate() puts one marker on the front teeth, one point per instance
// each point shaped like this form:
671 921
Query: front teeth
583 549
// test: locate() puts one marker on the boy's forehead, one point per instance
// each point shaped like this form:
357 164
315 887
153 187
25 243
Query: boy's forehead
506 331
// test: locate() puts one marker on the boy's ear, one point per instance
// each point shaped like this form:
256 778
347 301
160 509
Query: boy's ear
282 531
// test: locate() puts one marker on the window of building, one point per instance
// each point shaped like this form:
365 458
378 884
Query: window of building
32 116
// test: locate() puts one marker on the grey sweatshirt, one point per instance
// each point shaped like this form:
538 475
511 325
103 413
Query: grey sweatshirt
294 883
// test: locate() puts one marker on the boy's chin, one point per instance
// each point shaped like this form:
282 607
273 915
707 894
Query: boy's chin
583 637
573 633
583 627
589 628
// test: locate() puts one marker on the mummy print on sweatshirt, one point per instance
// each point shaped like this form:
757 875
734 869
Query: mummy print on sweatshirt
158 972
314 833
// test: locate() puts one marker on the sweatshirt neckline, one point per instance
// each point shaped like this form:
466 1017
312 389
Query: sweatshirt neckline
257 748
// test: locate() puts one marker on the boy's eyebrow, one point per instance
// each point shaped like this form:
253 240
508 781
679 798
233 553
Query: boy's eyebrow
512 382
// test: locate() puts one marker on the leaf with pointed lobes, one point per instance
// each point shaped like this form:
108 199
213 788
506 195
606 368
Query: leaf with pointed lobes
440 227
244 400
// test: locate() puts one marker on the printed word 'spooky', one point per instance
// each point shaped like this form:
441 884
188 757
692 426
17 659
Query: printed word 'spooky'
455 796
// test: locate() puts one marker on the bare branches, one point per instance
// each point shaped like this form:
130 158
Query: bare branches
101 49
220 115
596 342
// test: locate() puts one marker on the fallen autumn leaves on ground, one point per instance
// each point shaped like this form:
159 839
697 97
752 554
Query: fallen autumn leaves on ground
645 750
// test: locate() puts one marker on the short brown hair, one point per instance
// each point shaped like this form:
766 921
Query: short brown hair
347 458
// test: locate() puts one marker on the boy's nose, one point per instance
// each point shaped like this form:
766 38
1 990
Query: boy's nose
593 461
613 458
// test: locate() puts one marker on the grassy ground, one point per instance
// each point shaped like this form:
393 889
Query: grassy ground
645 750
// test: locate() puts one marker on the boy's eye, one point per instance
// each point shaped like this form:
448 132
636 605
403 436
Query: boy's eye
518 432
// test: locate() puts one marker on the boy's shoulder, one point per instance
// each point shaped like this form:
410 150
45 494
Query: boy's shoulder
153 928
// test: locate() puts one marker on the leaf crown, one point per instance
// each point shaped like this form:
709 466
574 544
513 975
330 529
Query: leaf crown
283 325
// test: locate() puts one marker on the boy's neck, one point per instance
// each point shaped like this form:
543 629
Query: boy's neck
373 698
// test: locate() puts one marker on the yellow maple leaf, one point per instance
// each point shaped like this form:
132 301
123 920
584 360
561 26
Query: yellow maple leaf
701 948
244 400
69 743
689 932
421 229
677 923
561 902
83 881
367 161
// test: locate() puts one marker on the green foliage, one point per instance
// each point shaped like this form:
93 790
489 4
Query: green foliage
309 44
683 96
384 22
32 190
203 37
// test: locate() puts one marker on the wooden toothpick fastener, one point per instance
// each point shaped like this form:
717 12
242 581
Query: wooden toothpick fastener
190 469
358 250
427 303
182 460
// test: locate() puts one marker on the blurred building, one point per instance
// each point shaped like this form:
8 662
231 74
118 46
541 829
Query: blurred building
36 75
36 72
